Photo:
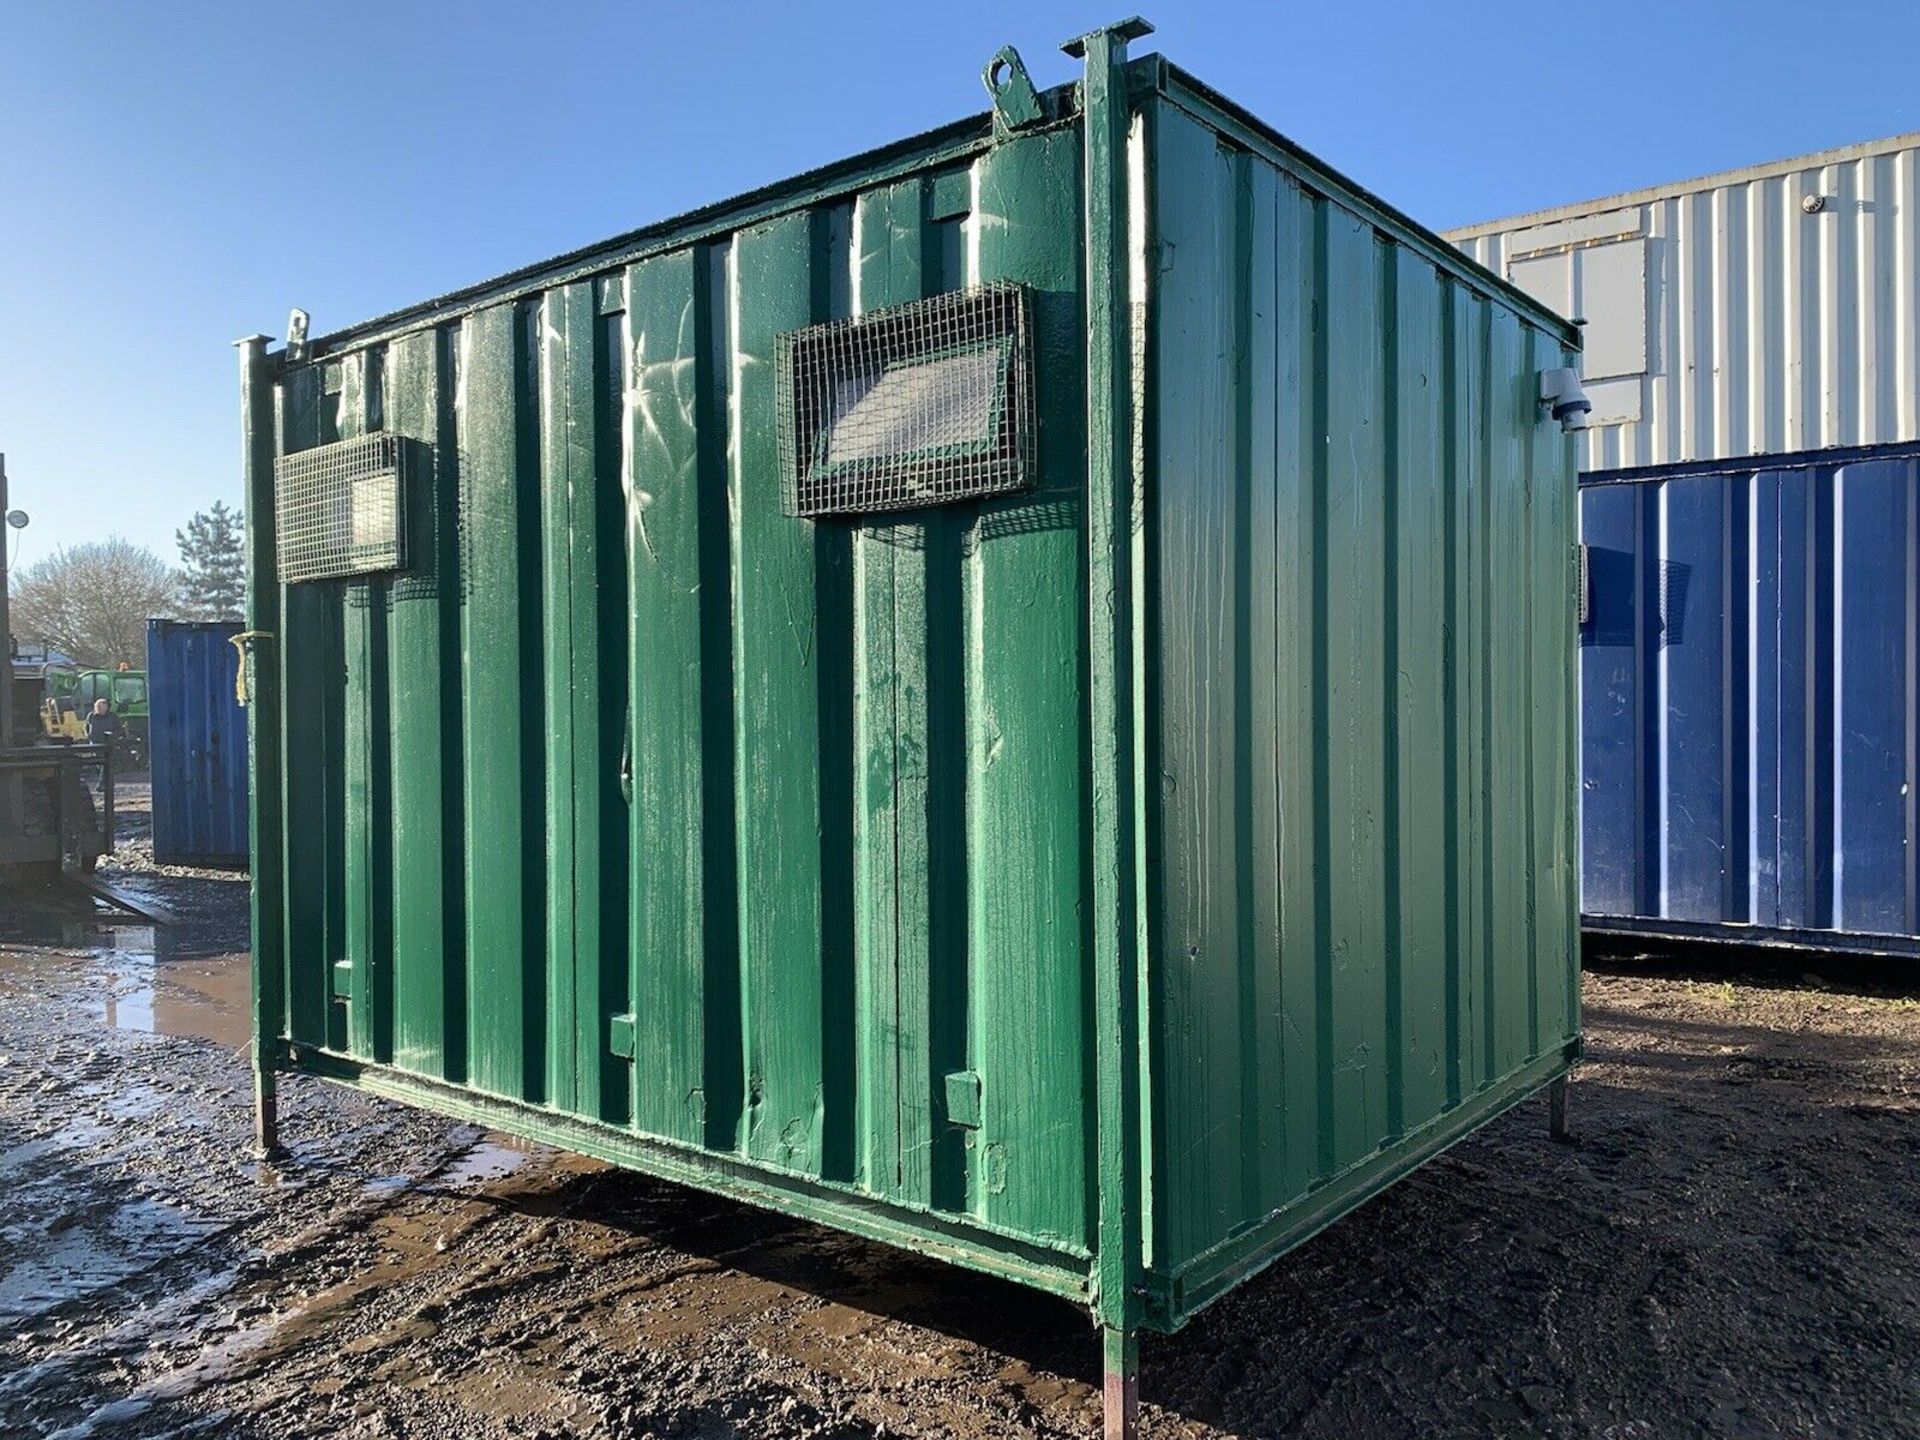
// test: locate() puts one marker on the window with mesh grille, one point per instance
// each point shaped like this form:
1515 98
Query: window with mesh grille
340 509
920 404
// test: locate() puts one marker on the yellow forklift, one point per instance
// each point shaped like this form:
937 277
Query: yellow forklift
69 698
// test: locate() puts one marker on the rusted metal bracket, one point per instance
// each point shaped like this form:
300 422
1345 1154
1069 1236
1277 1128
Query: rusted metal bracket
242 649
1016 104
1557 1111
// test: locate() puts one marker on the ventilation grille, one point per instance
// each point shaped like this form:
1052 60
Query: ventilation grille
340 509
921 404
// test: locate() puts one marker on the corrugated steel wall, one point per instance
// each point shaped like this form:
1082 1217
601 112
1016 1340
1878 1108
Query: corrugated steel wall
1749 697
197 744
837 950
1763 329
850 887
1363 549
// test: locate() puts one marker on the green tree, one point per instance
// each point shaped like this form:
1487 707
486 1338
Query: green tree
213 564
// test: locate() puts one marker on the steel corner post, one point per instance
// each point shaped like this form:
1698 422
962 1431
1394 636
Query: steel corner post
263 735
1119 1262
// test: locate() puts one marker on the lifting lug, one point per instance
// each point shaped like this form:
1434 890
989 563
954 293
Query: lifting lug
297 322
1016 104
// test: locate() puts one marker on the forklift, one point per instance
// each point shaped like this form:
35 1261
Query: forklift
50 822
68 697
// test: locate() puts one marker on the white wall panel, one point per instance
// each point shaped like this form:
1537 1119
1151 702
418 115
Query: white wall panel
1725 319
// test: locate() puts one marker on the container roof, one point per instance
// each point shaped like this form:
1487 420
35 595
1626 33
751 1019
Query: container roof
1674 189
1433 245
949 144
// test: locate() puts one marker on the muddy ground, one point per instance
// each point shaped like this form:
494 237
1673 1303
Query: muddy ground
1731 1249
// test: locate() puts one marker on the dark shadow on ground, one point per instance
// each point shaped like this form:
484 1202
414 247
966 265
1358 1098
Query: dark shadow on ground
1771 967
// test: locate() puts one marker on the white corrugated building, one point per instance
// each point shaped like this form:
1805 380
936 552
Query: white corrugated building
1769 310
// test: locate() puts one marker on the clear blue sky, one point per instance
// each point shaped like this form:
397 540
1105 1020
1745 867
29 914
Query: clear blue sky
174 175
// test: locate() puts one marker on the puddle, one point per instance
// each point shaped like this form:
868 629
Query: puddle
148 980
47 923
75 1252
494 1157
200 995
490 1157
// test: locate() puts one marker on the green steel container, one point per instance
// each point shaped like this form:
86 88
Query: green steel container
1103 885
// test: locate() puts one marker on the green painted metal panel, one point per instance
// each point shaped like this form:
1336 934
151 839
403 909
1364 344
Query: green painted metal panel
1104 885
565 430
681 830
1022 588
794 695
504 705
312 838
353 397
429 958
613 643
881 277
1361 612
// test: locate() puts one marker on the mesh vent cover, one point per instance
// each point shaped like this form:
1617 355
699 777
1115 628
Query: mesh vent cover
920 404
340 509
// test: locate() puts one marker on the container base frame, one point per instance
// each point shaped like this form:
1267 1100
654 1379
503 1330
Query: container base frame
1722 933
1056 1272
1171 1303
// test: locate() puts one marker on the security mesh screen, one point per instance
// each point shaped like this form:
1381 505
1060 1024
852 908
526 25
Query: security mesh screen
340 510
920 404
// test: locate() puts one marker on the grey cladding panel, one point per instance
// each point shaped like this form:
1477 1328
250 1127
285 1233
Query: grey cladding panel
1605 285
1613 301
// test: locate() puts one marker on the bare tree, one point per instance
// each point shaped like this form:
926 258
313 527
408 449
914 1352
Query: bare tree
93 600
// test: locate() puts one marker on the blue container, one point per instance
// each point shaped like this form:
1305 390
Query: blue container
198 743
1748 688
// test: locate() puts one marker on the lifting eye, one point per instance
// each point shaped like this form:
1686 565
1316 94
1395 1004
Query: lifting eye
1015 102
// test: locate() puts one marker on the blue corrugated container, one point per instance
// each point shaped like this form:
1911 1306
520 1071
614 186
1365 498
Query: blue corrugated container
1750 662
198 743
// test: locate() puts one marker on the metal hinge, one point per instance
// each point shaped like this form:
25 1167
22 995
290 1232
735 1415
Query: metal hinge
1583 587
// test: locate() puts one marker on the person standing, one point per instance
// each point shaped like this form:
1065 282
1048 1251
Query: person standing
103 728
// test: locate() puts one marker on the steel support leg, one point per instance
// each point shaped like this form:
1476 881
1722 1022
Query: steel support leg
1557 1111
1120 1386
266 1115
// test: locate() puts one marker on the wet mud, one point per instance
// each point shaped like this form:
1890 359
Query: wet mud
1729 1249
